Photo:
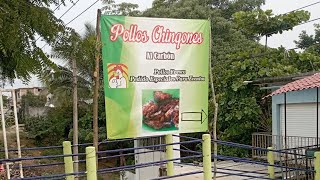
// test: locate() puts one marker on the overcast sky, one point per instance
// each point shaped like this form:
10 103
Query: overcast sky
278 6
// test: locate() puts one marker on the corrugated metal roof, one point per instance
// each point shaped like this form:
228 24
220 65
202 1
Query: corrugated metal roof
298 85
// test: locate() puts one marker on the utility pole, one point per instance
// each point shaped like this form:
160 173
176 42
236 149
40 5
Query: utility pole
75 114
96 83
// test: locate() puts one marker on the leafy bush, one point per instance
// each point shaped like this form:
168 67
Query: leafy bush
46 130
52 128
32 100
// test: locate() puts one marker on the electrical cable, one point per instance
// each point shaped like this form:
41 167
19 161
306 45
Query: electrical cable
53 11
286 28
57 6
303 7
251 56
77 16
69 9
82 12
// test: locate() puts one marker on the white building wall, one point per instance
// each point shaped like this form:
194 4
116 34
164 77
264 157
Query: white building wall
301 122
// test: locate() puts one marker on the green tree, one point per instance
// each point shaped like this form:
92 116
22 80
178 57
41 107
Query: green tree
82 50
123 9
310 58
265 23
20 23
73 48
310 43
235 26
5 100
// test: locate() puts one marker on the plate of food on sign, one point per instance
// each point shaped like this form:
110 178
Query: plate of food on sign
160 110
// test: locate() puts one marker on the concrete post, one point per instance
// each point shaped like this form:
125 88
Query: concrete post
206 151
270 158
317 165
169 155
91 163
68 163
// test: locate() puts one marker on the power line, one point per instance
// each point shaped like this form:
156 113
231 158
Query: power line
309 21
303 7
57 7
69 9
77 16
63 13
82 12
268 53
286 28
89 22
53 11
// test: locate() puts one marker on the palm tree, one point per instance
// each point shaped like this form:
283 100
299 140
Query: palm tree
59 80
76 77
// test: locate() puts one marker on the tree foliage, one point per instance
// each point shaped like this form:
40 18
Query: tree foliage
241 108
265 23
123 9
237 56
33 100
309 60
59 80
20 23
310 43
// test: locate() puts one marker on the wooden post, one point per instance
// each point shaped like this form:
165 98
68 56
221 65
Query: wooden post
4 131
206 151
96 84
68 163
75 114
91 163
215 117
16 123
169 155
271 163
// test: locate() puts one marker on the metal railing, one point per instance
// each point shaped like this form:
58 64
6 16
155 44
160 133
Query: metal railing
265 140
289 170
295 153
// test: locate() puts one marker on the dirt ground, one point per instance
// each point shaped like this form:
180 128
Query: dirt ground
40 171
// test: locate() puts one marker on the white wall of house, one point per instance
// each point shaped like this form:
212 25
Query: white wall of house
301 117
301 122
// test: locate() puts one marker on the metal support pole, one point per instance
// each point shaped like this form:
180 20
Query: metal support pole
296 163
271 163
317 165
169 155
285 133
91 163
4 131
206 150
16 122
317 117
68 163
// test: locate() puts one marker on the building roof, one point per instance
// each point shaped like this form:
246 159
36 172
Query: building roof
298 85
280 80
31 88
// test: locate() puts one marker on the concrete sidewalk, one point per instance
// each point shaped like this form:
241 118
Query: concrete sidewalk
225 166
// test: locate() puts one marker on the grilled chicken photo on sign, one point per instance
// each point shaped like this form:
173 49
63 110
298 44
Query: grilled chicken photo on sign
164 112
159 96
